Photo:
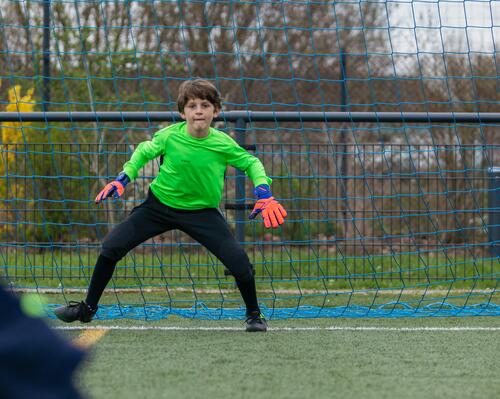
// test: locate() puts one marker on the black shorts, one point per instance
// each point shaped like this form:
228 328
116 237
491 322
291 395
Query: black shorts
207 226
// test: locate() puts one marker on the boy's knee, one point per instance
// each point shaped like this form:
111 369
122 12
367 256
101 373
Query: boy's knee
244 275
236 260
115 254
114 244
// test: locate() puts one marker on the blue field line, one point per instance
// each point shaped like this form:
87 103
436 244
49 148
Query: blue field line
202 312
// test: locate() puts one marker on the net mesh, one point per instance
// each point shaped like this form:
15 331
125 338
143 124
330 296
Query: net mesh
384 219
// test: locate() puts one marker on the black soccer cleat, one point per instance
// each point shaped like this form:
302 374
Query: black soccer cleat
75 311
256 322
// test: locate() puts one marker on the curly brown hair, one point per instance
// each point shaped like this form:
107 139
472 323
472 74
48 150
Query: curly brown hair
198 88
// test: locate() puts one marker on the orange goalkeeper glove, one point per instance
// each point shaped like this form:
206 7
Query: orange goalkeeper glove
114 189
272 211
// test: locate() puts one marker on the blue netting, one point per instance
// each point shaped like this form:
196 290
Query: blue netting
388 310
374 208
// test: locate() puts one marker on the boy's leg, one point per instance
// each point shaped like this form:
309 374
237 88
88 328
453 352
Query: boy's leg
145 221
103 271
210 229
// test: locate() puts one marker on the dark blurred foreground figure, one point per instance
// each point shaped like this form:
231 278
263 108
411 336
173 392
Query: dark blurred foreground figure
35 363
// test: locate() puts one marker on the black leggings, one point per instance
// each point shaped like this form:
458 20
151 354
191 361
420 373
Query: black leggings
207 226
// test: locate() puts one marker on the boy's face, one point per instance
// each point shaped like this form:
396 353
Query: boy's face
199 114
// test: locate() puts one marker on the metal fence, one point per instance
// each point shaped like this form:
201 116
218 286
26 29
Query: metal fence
363 210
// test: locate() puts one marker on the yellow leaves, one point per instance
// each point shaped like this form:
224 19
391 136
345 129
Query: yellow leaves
18 102
12 131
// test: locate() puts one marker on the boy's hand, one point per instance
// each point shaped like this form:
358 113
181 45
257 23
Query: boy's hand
114 189
272 211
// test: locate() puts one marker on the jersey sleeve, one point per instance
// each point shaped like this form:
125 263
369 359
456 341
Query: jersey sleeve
145 152
239 158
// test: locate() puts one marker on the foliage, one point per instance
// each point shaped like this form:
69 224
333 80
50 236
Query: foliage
15 132
11 191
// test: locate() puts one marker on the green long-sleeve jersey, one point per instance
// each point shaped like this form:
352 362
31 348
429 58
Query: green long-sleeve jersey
192 173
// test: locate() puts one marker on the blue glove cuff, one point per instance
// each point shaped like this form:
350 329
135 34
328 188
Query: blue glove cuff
262 191
123 179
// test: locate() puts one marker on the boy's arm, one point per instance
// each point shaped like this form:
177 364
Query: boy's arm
241 159
272 212
144 152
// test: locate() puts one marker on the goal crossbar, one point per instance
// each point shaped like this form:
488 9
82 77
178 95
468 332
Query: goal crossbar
258 116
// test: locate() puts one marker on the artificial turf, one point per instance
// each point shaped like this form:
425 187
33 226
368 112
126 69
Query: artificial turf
316 363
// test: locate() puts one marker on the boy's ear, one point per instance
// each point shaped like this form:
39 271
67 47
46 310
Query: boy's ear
217 111
183 116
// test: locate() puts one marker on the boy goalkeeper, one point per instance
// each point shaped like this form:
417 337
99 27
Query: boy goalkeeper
185 195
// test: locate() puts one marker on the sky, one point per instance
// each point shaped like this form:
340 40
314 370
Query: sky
450 26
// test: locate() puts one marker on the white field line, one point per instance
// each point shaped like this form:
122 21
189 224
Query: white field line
367 291
278 329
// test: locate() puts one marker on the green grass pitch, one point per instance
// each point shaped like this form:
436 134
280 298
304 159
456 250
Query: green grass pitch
361 358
